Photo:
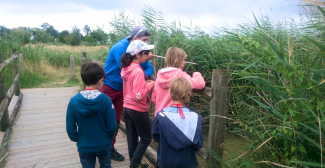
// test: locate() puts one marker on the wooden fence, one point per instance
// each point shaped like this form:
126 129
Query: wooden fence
6 123
218 112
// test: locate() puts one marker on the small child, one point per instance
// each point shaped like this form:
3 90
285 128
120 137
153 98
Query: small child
177 129
136 101
90 119
174 64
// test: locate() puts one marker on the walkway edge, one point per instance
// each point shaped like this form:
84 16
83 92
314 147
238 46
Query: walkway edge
150 154
5 141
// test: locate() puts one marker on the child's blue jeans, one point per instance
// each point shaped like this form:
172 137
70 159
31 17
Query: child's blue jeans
88 160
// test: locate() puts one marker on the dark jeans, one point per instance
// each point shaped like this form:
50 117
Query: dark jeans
117 99
88 160
137 125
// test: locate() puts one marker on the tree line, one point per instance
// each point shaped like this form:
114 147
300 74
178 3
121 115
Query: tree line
46 33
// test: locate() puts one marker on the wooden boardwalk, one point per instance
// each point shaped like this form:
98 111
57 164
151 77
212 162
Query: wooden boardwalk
39 137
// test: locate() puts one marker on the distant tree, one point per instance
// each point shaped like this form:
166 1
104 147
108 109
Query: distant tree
74 37
36 33
4 30
87 30
90 39
21 34
52 31
45 37
62 35
45 26
100 36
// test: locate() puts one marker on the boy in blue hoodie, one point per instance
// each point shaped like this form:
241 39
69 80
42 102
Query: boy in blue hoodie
91 120
177 129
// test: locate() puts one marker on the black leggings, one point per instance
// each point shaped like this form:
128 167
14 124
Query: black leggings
137 125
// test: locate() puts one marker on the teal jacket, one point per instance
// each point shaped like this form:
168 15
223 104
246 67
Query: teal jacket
91 123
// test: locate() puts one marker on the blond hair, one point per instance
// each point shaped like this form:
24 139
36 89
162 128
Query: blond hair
174 57
179 87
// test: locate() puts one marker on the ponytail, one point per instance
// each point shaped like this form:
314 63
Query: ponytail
126 59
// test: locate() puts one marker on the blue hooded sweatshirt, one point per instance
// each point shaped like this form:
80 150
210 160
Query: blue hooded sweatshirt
91 123
113 65
178 138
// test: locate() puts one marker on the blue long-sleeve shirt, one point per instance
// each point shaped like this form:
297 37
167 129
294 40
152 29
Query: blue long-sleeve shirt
91 123
113 65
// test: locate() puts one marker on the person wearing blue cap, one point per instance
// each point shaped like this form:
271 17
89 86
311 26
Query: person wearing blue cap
113 84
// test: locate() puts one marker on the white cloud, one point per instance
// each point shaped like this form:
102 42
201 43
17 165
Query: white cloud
205 13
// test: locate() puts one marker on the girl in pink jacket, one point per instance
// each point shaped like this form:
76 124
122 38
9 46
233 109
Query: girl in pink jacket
136 100
174 64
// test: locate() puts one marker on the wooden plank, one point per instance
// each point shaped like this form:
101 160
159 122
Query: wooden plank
21 63
4 116
61 89
218 107
72 67
204 92
8 61
4 144
15 71
13 86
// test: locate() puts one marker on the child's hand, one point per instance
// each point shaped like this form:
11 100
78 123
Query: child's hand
152 82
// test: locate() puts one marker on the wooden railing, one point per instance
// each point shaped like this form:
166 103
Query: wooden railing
6 123
218 113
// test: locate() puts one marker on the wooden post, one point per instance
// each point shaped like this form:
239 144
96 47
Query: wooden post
72 67
218 109
3 92
15 71
84 56
21 63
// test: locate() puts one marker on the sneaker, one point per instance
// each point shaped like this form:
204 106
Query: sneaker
144 165
116 156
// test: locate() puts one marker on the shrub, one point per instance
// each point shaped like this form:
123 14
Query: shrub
74 37
90 39
44 37
21 34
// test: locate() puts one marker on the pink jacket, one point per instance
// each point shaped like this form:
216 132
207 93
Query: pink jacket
135 88
161 96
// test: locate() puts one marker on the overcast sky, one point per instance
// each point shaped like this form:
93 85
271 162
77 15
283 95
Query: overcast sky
63 14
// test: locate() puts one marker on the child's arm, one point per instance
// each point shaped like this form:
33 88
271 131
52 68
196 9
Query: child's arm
197 80
147 67
141 88
71 124
153 96
155 130
199 144
111 118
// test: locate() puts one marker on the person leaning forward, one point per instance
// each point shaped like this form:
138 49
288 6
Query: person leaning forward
113 84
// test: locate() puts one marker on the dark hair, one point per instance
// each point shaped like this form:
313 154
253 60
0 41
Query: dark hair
91 73
127 58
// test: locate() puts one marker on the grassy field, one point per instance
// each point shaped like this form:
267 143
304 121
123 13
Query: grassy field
49 66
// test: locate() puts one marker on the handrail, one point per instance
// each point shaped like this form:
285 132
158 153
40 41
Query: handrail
8 61
11 90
